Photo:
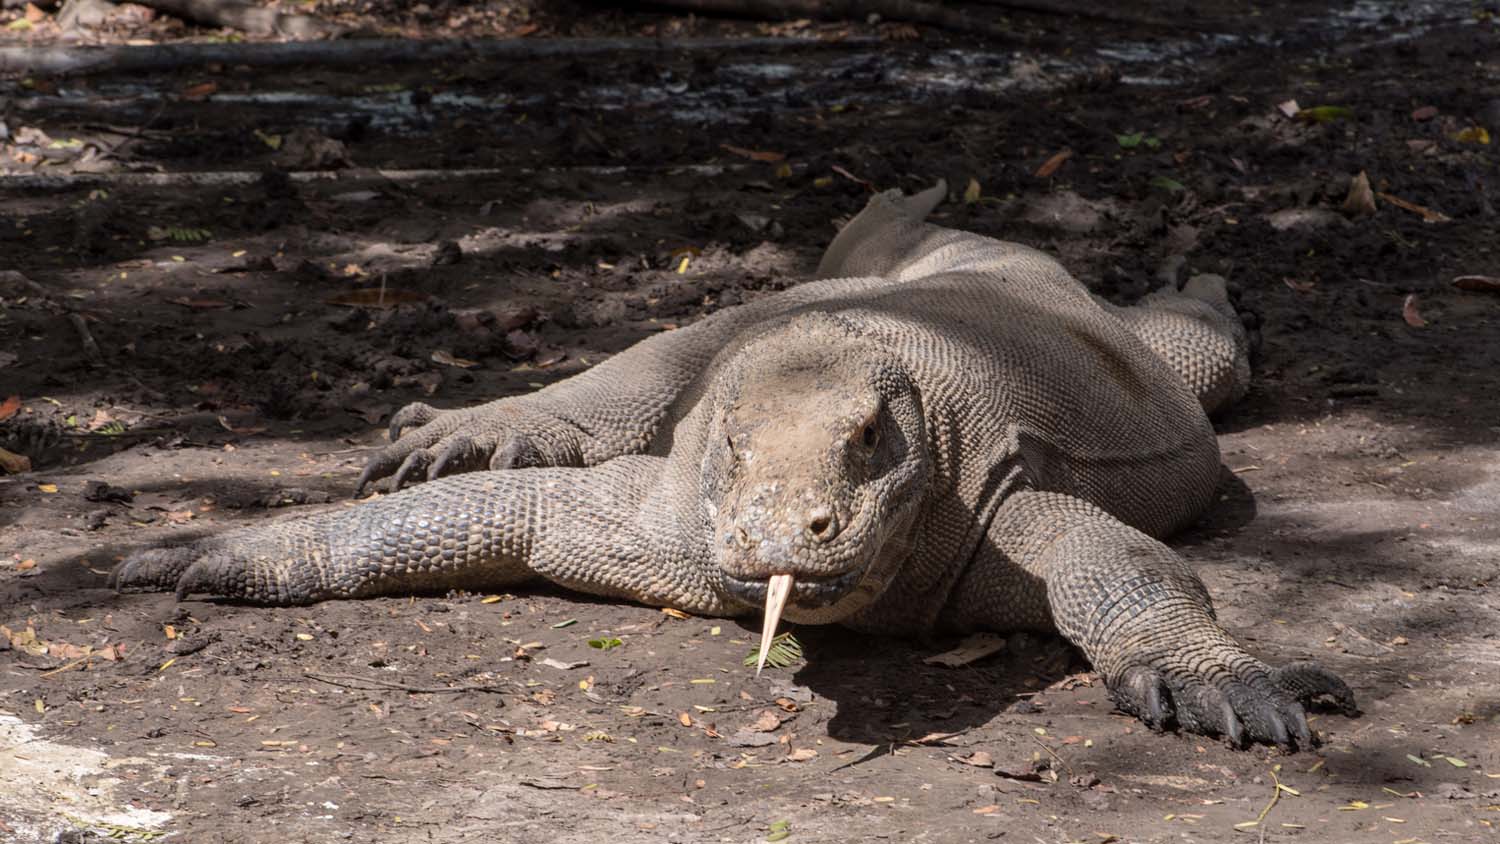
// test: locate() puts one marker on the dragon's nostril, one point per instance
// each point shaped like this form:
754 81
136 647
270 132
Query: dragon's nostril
822 523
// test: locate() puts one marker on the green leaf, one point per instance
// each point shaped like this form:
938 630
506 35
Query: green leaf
1130 141
561 624
605 644
1419 760
1153 142
1167 183
1456 762
785 650
1326 113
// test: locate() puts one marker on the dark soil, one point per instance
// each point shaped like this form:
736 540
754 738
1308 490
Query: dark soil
535 217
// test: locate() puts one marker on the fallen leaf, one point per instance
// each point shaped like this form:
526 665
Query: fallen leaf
1427 214
1289 108
675 613
973 193
241 429
1479 283
1360 200
1472 135
199 304
684 719
47 488
753 154
1052 164
1409 312
563 666
1326 113
978 759
201 91
801 754
971 649
9 407
14 464
853 178
376 298
447 358
1424 113
766 722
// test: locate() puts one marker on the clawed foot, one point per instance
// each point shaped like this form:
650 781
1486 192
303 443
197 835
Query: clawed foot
1242 700
254 564
427 443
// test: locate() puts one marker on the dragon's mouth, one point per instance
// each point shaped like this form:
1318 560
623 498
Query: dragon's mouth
776 590
806 591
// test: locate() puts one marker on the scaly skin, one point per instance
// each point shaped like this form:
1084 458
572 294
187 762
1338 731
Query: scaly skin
946 432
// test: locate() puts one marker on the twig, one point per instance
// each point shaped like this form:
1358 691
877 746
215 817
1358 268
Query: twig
1054 756
90 347
349 681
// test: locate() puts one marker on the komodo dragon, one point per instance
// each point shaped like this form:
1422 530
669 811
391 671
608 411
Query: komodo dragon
945 432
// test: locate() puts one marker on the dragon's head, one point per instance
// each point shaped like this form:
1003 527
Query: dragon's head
813 472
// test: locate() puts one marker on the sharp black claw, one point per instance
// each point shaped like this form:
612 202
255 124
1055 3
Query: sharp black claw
415 463
508 455
1234 731
462 451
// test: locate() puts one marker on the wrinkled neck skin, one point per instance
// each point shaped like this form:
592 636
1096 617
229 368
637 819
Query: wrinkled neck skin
816 465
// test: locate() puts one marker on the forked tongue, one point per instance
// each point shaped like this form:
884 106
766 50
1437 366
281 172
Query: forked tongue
777 590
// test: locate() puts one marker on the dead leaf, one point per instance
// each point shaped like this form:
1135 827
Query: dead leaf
675 613
1478 283
226 425
1053 164
1424 113
766 722
199 304
935 739
1427 214
801 754
684 719
754 154
853 178
1360 201
447 358
309 149
1472 135
14 464
563 666
973 193
201 91
971 649
1409 312
376 297
9 407
1289 108
1300 286
978 759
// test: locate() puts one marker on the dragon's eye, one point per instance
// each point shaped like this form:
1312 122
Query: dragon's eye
870 436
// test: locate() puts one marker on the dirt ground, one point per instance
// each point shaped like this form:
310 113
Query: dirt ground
224 235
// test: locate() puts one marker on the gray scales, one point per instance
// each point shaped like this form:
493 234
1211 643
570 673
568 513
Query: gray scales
944 433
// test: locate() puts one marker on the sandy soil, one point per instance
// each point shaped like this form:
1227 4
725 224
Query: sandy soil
535 217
